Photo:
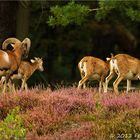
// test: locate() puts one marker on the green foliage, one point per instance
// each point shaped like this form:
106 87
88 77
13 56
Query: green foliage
70 13
112 10
12 126
98 105
118 10
88 117
133 14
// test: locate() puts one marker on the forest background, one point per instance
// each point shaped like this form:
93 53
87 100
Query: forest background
62 32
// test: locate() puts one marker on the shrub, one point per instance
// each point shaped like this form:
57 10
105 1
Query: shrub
71 113
121 102
12 126
55 108
24 100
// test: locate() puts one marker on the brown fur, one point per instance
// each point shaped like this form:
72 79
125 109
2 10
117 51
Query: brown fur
26 69
96 68
15 56
128 68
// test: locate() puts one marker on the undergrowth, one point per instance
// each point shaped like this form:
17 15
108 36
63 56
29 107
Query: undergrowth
74 114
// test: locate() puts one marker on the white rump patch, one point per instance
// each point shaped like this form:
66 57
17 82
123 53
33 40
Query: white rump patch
3 78
6 57
108 58
114 65
83 67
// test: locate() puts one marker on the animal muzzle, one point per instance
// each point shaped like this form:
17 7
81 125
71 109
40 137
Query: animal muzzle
41 69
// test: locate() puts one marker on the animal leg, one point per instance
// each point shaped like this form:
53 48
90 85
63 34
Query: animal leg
82 81
16 76
128 85
23 84
116 83
26 86
100 87
7 77
101 83
108 78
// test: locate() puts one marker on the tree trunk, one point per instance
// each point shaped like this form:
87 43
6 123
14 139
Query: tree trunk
7 19
23 14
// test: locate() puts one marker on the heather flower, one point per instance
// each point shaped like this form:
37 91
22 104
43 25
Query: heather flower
123 101
73 114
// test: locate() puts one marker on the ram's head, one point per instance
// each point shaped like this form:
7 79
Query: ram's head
23 46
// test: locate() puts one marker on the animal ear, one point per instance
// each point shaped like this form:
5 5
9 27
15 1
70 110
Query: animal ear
36 58
108 58
112 55
12 45
32 61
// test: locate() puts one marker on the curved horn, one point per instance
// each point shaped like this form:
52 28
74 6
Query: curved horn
27 44
9 41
